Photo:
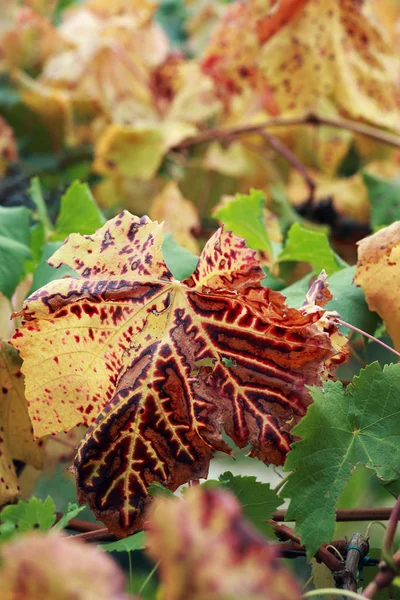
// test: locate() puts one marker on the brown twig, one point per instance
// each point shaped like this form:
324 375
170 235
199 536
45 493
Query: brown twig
323 555
358 547
350 514
308 119
384 577
100 535
391 527
292 159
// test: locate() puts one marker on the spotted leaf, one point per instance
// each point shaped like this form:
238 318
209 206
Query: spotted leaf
165 366
16 436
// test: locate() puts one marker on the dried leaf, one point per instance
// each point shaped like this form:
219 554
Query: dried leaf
378 274
51 567
209 551
129 340
16 433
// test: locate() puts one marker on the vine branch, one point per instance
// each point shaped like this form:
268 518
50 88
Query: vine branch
308 119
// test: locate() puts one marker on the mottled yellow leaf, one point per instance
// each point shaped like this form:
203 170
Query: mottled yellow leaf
378 273
207 550
303 51
16 432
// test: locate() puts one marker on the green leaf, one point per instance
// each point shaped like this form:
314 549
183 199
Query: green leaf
384 197
14 246
157 489
180 262
258 500
312 247
342 428
36 194
44 272
26 516
79 212
132 542
244 217
71 512
349 301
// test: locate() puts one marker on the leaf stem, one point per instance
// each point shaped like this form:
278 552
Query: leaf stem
371 337
149 576
333 592
281 483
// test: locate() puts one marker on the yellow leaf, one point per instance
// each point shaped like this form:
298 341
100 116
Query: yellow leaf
304 51
137 151
16 433
166 206
224 556
50 567
378 273
334 49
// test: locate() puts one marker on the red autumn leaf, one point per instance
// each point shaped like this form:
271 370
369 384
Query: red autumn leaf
168 365
207 550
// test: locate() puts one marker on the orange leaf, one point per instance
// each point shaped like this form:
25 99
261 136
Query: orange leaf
170 364
207 549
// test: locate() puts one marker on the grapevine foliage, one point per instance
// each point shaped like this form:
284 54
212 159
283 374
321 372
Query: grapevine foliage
250 310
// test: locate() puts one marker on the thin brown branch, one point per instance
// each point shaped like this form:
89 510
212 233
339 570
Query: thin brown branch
384 577
323 555
308 119
391 527
350 514
290 157
100 535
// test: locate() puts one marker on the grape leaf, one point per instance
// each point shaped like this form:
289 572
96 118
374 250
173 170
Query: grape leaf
14 247
44 272
207 549
312 247
78 212
384 197
27 516
244 216
72 510
257 499
16 434
168 365
342 428
288 55
51 567
128 544
180 261
378 275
